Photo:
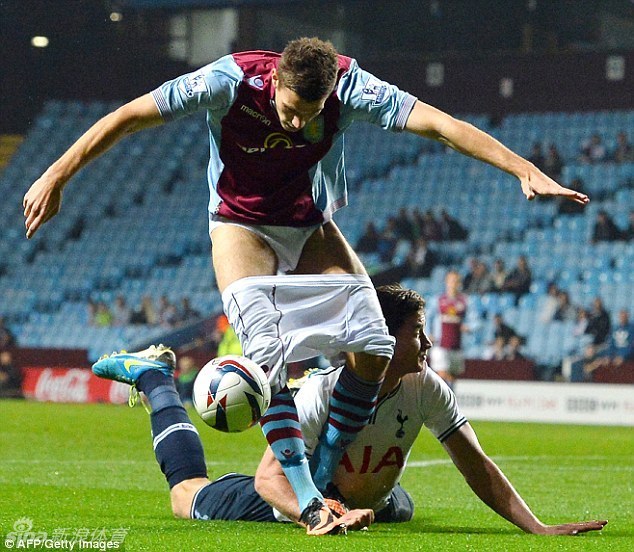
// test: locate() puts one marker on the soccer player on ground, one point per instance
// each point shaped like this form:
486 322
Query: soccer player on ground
276 176
368 476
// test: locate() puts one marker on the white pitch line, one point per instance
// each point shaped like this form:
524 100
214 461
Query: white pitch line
52 463
543 458
412 464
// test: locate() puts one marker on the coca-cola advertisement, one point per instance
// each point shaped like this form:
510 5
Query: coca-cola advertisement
76 385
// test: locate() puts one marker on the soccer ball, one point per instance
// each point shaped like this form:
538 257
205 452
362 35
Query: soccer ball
231 393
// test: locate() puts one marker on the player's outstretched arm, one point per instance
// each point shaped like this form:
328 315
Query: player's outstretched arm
496 491
271 484
44 198
430 122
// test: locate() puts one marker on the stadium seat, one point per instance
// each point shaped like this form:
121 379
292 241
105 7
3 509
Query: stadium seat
105 244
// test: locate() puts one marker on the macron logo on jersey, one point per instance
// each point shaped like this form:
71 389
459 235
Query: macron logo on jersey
253 113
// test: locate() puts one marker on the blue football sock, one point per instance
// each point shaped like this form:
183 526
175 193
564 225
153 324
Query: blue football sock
281 428
177 446
352 403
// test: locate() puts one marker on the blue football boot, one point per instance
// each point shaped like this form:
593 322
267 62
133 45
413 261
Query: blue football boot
127 367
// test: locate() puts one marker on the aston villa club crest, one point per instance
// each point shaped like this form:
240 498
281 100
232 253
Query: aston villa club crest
314 130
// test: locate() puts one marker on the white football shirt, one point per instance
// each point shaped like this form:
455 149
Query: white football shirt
374 463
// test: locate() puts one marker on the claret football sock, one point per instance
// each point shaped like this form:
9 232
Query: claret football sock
352 403
282 430
176 442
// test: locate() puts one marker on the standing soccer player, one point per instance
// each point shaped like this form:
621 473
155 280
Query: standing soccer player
447 358
276 176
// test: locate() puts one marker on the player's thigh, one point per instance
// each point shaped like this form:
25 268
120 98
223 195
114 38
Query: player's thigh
239 253
327 251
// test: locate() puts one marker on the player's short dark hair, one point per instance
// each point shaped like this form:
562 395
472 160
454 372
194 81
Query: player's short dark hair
309 68
398 303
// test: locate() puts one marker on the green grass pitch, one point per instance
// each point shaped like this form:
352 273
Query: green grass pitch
92 466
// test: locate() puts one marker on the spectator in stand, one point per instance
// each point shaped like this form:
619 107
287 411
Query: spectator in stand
501 330
478 281
419 222
10 377
581 323
405 226
599 324
447 358
519 279
593 150
473 264
187 372
7 339
622 340
506 342
619 349
421 260
103 315
550 304
451 229
167 313
565 310
145 313
562 208
553 164
431 227
498 275
628 233
496 350
369 241
624 152
513 351
605 228
121 312
582 348
536 156
187 313
387 241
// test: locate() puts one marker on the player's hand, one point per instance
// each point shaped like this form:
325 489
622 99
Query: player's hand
41 203
536 183
356 520
572 528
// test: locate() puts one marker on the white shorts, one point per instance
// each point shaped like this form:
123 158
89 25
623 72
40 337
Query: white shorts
447 360
286 241
282 319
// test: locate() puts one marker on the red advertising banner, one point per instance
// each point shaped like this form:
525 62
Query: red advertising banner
77 385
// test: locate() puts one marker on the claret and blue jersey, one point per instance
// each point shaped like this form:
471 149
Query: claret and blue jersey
258 172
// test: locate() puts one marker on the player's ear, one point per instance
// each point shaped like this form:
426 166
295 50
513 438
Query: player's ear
275 78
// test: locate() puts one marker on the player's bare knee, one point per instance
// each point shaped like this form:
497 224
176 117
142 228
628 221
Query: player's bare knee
181 502
182 495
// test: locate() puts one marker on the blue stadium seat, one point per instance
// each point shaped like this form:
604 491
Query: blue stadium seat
105 244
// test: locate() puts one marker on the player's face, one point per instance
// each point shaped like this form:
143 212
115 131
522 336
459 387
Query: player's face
412 345
452 282
294 112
